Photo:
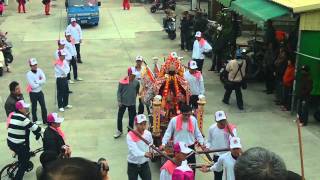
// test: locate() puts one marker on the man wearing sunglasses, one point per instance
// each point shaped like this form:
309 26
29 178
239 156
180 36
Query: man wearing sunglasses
184 128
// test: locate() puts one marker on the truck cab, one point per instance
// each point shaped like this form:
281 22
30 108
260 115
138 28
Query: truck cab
86 12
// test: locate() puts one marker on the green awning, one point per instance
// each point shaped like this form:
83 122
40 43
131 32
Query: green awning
258 11
225 3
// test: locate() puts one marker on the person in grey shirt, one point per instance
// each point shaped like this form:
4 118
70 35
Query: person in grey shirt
127 92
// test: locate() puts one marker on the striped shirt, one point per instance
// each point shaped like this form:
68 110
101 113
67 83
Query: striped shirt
18 125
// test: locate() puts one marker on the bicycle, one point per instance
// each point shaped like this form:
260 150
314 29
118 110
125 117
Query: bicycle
9 170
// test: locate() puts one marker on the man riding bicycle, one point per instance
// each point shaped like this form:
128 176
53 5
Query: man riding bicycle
18 127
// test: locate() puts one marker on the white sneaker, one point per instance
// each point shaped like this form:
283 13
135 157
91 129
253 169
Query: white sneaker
39 122
78 79
71 82
61 109
117 134
68 106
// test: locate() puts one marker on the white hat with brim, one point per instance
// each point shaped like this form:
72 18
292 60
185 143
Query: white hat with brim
140 118
73 19
182 147
220 115
33 61
193 65
198 34
235 143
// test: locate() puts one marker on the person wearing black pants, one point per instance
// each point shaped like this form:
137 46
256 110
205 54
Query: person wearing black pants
61 71
237 71
138 151
236 86
36 79
78 52
22 152
131 112
304 95
34 98
185 34
128 89
200 46
71 50
76 32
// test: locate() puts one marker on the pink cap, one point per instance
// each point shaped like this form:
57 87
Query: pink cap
21 104
181 147
53 118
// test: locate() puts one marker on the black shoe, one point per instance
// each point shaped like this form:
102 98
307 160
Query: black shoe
211 69
241 108
225 102
79 61
269 92
70 92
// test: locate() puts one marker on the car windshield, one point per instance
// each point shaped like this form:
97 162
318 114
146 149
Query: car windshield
82 2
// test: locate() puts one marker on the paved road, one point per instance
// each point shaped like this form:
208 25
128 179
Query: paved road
107 51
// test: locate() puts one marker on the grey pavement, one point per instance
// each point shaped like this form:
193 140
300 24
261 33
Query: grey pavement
107 51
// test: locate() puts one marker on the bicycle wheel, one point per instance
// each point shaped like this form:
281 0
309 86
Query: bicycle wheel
8 171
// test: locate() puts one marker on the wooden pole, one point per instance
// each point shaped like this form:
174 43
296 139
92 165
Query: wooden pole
300 147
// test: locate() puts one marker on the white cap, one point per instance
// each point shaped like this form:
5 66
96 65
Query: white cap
184 166
73 19
21 104
181 147
235 143
140 118
139 58
198 34
68 33
62 42
33 61
220 115
53 118
193 65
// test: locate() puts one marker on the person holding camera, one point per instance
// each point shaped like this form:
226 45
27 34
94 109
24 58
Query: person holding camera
236 72
54 138
18 136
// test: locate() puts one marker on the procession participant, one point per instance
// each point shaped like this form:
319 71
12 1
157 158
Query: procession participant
139 154
18 136
54 137
71 50
128 89
68 57
184 128
200 46
36 79
183 172
15 95
76 32
62 69
195 80
181 151
218 137
137 68
227 161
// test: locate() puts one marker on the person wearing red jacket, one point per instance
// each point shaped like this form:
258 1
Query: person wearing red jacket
287 81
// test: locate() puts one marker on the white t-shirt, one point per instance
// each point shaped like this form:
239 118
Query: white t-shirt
226 163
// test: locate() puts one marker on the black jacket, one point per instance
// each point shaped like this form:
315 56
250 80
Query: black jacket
10 104
52 141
